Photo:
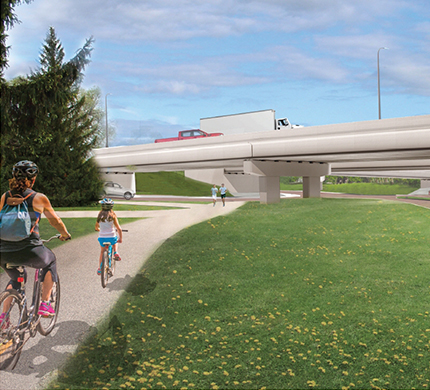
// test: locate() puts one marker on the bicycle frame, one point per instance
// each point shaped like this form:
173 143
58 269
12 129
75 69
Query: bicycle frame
28 319
29 315
107 264
109 248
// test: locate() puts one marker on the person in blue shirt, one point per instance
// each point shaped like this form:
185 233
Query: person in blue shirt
223 192
214 190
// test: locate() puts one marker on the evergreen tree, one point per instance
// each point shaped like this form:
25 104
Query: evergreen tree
8 19
47 121
52 56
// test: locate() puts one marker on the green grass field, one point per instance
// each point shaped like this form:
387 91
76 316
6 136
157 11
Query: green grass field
358 188
370 188
175 183
308 293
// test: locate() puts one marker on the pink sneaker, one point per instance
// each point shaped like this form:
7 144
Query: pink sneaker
46 310
116 257
4 322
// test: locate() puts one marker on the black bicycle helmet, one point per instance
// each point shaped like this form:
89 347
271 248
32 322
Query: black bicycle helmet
107 204
25 169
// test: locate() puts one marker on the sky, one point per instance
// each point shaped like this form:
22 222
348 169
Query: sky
161 65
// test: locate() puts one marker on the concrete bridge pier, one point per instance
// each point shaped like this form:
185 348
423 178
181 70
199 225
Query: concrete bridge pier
311 186
270 172
269 189
263 176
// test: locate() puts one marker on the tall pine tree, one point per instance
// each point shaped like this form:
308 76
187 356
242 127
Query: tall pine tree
48 122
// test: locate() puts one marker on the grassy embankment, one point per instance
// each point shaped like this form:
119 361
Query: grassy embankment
171 183
308 293
175 183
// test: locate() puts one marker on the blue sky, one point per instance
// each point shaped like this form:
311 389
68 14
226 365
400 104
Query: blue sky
168 63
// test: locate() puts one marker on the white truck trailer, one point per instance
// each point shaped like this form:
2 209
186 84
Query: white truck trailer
248 122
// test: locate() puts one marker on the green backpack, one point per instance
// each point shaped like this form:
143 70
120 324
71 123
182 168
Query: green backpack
15 219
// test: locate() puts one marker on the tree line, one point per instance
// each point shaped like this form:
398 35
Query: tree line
351 179
46 117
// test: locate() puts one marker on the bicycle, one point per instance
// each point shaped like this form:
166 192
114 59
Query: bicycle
20 320
107 266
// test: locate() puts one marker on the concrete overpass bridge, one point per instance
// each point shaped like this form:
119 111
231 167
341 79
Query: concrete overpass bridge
253 162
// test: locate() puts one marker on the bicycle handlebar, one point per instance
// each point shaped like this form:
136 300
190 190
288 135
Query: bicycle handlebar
56 236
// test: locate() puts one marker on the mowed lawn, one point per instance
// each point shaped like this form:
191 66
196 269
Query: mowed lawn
308 293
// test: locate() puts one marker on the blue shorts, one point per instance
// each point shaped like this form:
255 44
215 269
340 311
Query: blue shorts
112 240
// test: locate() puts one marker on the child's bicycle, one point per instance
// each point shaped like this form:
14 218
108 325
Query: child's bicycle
21 322
107 266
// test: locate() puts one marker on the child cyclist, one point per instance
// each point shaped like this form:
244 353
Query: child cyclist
106 224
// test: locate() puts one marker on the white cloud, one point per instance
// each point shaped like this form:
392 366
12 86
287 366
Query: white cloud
164 20
232 50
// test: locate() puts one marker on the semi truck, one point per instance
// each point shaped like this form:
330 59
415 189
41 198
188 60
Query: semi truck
189 134
248 122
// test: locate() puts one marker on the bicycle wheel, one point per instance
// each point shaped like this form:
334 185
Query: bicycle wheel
112 264
46 324
11 334
104 267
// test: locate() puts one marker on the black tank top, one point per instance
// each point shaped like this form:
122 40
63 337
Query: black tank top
34 239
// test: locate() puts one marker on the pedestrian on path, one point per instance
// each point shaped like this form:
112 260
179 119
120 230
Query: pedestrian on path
214 190
223 192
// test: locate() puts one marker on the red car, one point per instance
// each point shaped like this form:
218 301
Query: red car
189 134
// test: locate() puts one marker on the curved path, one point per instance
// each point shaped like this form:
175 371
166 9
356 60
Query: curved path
83 301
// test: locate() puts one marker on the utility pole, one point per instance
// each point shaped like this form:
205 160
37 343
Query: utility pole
379 82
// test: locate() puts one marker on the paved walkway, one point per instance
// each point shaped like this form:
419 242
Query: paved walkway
289 194
83 300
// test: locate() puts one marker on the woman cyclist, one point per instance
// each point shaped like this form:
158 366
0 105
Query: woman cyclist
31 251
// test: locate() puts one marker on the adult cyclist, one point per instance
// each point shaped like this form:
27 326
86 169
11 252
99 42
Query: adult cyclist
31 251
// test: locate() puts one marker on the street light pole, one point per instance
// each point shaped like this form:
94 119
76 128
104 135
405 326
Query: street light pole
379 82
107 127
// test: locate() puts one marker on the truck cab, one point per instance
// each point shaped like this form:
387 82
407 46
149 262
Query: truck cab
284 123
190 134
